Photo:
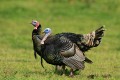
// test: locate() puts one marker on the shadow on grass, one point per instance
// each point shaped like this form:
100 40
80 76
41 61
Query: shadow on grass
92 76
48 72
67 72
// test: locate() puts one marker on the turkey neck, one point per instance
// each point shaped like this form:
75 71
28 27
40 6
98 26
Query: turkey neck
37 33
36 38
39 29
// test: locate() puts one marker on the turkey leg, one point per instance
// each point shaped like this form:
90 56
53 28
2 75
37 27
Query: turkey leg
71 73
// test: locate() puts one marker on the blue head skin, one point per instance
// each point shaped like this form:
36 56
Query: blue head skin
47 31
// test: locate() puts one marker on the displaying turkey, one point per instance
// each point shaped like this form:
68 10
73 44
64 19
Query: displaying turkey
65 48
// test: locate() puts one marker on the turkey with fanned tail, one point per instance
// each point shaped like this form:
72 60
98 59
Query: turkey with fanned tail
64 48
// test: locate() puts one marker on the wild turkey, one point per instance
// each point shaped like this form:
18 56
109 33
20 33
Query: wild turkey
65 48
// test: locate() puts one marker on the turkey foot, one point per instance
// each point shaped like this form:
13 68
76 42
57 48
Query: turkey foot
71 73
63 70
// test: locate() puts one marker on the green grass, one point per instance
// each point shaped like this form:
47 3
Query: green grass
16 53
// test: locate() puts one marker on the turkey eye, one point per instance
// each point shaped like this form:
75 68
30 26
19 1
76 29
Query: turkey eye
46 30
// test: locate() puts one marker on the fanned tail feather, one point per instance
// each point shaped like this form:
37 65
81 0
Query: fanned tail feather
93 39
99 33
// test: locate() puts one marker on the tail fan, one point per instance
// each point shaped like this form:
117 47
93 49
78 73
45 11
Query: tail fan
93 39
99 33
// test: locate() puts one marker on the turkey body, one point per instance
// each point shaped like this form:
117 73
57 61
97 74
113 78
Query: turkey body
66 48
58 50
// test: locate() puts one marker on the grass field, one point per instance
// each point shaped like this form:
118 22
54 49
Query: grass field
16 53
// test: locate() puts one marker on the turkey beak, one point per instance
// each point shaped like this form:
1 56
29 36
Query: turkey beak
34 27
30 23
43 32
